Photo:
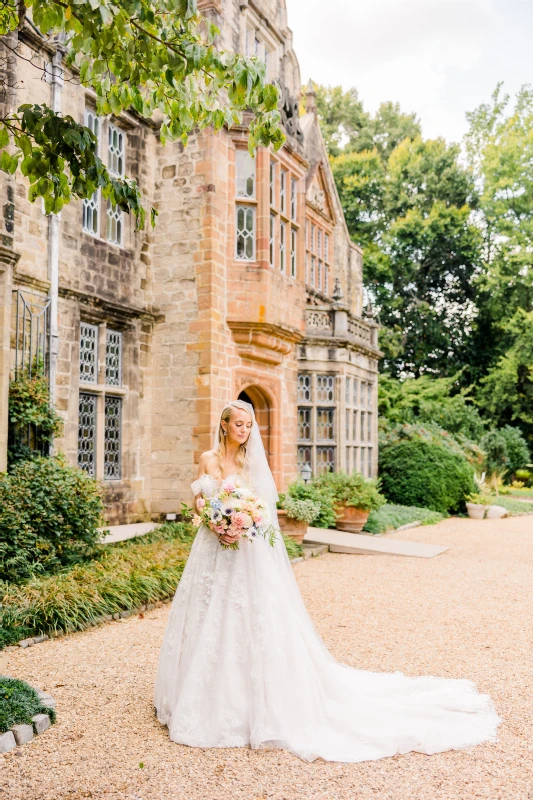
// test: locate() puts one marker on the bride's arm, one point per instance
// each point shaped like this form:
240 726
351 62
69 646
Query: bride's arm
202 470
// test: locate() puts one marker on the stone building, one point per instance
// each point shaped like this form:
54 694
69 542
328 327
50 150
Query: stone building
248 287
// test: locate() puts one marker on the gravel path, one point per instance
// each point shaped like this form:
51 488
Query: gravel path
466 613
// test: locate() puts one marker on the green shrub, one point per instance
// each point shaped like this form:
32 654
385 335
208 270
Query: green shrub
301 510
351 490
433 434
495 447
425 474
123 577
517 448
49 515
294 550
19 702
391 516
525 475
32 420
309 491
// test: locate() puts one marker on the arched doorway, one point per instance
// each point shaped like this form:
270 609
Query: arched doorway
263 414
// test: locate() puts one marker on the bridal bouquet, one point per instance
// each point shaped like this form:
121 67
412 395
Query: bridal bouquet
235 513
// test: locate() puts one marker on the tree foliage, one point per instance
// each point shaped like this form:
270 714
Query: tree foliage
158 59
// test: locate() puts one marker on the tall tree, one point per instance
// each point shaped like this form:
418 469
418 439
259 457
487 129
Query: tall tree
155 56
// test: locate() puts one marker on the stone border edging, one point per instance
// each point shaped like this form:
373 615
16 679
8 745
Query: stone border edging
23 733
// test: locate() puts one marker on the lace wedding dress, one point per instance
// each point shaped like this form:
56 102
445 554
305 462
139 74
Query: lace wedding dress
242 664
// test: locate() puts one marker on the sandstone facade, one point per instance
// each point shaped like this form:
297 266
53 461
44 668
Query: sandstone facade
249 286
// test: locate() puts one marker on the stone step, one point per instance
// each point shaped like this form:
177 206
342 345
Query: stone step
343 542
313 550
119 533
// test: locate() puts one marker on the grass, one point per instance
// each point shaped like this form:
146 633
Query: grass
525 492
514 506
391 516
18 703
125 576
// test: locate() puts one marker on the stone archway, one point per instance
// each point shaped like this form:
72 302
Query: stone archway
263 414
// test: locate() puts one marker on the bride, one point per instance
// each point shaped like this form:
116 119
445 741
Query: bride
242 664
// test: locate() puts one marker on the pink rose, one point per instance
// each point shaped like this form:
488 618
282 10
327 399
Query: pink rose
200 503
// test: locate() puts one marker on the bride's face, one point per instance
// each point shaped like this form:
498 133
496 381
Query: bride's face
238 426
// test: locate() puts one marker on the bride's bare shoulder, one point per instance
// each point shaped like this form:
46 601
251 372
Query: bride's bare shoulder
207 460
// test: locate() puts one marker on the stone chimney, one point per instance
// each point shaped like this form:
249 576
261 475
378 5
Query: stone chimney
310 99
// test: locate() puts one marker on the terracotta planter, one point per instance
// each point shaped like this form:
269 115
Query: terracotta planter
292 527
351 519
476 510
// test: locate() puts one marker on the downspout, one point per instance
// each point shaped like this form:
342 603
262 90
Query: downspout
55 77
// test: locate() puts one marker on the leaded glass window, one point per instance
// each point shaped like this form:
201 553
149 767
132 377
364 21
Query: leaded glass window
88 353
245 174
293 198
245 233
325 424
272 182
326 279
312 277
354 425
369 472
319 243
319 275
87 433
363 426
272 238
369 427
113 358
91 205
293 253
325 388
304 456
282 245
325 460
348 453
348 420
355 382
369 390
347 390
304 424
283 191
112 437
326 247
115 219
363 460
304 388
116 143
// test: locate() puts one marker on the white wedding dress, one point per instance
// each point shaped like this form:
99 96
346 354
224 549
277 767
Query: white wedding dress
242 664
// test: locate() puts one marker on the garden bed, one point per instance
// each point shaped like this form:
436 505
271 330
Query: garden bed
391 516
124 577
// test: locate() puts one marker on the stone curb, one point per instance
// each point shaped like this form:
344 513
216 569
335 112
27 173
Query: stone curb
23 733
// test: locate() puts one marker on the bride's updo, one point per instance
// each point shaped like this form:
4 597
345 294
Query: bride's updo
221 450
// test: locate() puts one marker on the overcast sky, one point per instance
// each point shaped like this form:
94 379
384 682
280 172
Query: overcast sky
439 58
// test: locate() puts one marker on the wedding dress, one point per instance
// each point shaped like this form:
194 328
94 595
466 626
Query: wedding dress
242 664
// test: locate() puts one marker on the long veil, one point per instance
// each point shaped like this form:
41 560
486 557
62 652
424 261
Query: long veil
256 465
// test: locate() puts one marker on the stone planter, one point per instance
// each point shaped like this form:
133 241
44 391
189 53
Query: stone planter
351 519
476 510
292 527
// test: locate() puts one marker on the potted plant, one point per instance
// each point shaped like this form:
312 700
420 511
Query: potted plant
354 497
477 504
295 515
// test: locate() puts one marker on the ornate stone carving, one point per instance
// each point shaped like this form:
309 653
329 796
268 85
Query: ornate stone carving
260 341
317 196
290 115
318 322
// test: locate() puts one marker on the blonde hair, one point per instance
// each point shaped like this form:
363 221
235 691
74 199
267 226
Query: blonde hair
221 449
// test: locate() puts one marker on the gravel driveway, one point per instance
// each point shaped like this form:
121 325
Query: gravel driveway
466 613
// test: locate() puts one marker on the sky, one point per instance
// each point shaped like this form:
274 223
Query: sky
438 58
